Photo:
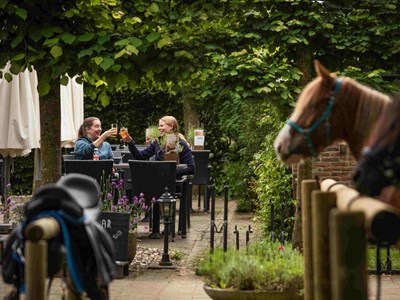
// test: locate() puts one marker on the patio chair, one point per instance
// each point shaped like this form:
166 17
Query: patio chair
202 176
151 178
100 170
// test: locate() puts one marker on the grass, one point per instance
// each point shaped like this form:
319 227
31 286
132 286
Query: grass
394 255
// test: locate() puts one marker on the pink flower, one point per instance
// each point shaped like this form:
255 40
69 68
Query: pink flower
280 248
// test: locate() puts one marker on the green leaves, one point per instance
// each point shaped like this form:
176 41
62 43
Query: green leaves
68 38
22 13
106 63
56 51
16 41
87 36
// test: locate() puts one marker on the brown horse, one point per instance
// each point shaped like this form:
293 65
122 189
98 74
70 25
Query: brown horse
329 109
378 170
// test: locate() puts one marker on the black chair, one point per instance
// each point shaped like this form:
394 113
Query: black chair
151 178
126 156
68 157
202 176
100 170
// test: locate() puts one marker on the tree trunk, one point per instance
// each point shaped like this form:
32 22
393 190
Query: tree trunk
50 135
304 170
190 115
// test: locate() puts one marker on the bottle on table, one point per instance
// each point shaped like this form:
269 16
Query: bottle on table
96 154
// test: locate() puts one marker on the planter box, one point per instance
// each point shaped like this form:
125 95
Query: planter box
233 294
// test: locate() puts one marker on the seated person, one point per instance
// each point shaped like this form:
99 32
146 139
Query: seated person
166 125
90 137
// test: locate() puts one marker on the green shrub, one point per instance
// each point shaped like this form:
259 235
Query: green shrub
262 266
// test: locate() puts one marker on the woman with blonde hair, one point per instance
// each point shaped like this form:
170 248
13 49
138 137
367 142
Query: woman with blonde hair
166 125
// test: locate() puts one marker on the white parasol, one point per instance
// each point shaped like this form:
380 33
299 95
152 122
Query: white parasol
20 117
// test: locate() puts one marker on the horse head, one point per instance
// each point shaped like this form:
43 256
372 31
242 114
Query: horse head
329 109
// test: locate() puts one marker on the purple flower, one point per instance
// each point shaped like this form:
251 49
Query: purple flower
113 208
153 200
141 195
109 196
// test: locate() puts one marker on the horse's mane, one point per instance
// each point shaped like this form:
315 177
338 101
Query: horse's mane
387 129
369 105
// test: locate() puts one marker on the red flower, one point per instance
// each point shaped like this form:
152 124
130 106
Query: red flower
280 248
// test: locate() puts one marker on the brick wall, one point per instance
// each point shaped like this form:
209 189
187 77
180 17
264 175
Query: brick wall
336 163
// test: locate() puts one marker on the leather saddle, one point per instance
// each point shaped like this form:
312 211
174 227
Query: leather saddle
74 201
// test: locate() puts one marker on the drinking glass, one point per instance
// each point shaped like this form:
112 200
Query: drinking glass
114 128
123 132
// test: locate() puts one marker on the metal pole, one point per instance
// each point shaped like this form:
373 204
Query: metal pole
212 225
283 223
237 237
272 226
388 260
165 257
248 231
226 190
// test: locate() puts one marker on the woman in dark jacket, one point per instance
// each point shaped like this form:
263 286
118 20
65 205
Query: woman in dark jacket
166 125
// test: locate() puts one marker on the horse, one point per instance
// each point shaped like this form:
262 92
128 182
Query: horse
329 109
377 173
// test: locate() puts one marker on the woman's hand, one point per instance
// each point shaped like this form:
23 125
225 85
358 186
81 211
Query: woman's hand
110 133
127 138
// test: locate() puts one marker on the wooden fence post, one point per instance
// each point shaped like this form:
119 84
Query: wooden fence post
307 186
37 233
321 204
348 249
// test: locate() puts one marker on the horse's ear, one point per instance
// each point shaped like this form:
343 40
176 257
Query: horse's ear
323 72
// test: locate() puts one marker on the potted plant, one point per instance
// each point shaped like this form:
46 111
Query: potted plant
120 216
11 209
263 270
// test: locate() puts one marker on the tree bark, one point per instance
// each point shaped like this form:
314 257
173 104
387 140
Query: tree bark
304 170
50 135
190 115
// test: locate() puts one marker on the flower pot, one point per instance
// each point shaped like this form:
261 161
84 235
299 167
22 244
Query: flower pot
234 294
132 244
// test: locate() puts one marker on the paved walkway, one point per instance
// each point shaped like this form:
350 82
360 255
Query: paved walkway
182 283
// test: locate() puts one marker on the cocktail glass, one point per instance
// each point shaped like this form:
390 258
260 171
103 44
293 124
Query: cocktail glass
123 132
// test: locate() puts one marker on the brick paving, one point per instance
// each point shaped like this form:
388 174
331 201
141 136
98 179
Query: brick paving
182 283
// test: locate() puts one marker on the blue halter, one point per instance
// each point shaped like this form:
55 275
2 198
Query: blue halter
308 131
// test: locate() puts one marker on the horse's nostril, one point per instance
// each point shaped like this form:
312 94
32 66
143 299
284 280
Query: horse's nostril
279 147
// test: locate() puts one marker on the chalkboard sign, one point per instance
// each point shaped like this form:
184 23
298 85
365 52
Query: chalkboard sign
117 225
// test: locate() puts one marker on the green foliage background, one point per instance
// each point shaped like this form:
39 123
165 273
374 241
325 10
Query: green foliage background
243 62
